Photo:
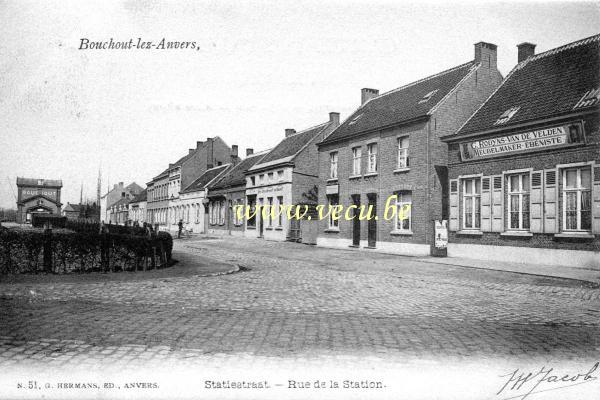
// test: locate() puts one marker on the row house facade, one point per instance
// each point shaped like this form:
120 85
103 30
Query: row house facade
193 199
524 170
119 212
227 193
118 192
164 189
137 208
285 176
389 153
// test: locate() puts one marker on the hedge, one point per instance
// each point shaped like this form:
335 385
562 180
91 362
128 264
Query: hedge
62 252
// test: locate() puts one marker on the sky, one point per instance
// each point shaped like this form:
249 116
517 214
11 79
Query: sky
261 67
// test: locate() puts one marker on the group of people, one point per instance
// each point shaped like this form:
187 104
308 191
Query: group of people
148 228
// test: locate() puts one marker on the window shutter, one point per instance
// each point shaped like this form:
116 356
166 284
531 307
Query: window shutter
486 204
536 202
453 223
596 201
497 204
550 203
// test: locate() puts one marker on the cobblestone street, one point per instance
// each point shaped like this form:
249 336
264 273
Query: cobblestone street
292 303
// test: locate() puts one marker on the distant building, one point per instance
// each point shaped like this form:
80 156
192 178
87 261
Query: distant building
119 212
137 208
72 211
118 192
37 196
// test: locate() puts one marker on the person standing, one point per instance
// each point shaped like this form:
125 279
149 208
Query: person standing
180 224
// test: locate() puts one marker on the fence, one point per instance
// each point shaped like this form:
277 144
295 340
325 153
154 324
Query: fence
60 252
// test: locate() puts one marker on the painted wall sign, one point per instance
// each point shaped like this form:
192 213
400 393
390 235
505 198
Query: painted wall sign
268 189
332 189
524 142
30 192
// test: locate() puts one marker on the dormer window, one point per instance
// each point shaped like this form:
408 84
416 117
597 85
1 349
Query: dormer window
428 96
355 119
507 115
590 98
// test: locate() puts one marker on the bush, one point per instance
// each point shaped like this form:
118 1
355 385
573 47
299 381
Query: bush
41 220
34 251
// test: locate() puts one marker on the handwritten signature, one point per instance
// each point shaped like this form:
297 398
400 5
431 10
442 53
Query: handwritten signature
524 384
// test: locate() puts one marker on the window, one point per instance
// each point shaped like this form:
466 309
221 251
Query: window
428 96
251 222
404 210
471 203
261 178
238 204
269 215
333 165
280 211
280 175
333 200
402 152
577 199
270 177
507 115
372 152
253 180
518 202
356 157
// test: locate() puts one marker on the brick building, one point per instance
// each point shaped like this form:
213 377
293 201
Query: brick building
73 211
227 192
37 196
164 207
137 208
524 170
390 146
194 200
286 176
118 192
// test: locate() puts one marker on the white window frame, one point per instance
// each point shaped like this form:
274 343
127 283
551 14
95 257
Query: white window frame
476 180
372 158
579 190
521 194
356 160
333 165
269 215
402 159
401 201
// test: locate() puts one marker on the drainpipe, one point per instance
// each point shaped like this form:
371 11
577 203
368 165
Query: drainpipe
428 192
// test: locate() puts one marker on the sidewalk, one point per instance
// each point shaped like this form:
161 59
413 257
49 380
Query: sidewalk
556 271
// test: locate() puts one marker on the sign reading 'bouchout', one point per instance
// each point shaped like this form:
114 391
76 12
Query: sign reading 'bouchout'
524 142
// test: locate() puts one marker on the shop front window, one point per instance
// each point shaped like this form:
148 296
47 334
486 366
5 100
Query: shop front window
333 200
518 202
404 211
577 199
251 222
472 203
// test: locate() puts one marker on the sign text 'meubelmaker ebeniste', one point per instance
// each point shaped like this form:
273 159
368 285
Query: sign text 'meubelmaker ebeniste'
523 142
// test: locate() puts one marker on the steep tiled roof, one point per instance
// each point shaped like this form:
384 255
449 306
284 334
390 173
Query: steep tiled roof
73 207
401 104
205 178
236 175
548 84
291 145
122 201
143 196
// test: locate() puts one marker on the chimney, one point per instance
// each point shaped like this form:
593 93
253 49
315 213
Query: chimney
485 53
289 132
249 152
234 150
525 50
334 117
191 151
199 143
367 94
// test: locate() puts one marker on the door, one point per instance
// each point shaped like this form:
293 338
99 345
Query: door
372 226
355 220
260 218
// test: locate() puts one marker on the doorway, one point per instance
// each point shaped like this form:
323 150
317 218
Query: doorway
372 224
355 221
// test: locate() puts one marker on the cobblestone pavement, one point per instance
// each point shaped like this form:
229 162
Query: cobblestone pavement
298 302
